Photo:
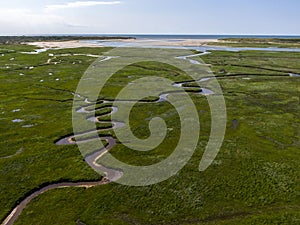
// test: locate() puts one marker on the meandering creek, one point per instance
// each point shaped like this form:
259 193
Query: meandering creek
110 174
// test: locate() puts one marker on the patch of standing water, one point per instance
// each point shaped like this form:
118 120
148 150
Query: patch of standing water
17 121
294 75
87 101
28 126
163 98
177 85
114 110
82 110
93 119
206 91
89 55
37 51
190 60
109 58
194 62
204 79
77 95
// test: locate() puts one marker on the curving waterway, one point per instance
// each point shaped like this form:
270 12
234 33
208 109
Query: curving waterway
110 173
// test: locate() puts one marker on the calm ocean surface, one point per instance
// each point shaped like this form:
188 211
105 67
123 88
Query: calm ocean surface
203 36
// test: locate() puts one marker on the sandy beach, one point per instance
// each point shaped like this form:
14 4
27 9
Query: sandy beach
152 42
63 44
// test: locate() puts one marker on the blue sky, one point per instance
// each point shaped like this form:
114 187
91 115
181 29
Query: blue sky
150 17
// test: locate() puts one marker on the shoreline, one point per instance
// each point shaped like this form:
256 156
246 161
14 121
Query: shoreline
203 45
153 42
62 44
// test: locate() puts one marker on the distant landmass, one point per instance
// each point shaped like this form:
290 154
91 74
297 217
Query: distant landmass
69 37
20 39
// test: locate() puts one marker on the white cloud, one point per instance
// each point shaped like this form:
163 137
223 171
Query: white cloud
24 21
79 4
50 19
27 18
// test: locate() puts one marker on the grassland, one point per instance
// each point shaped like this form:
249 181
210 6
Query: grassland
260 42
22 39
254 180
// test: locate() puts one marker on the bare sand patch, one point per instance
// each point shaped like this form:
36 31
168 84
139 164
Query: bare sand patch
152 42
63 44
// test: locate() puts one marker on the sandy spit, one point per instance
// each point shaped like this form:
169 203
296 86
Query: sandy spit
63 44
152 42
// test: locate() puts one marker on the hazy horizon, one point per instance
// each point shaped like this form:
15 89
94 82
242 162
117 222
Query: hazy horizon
151 34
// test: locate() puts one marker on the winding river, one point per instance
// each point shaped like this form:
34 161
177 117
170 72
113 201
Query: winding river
110 174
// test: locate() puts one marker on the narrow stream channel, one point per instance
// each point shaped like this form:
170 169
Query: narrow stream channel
111 174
